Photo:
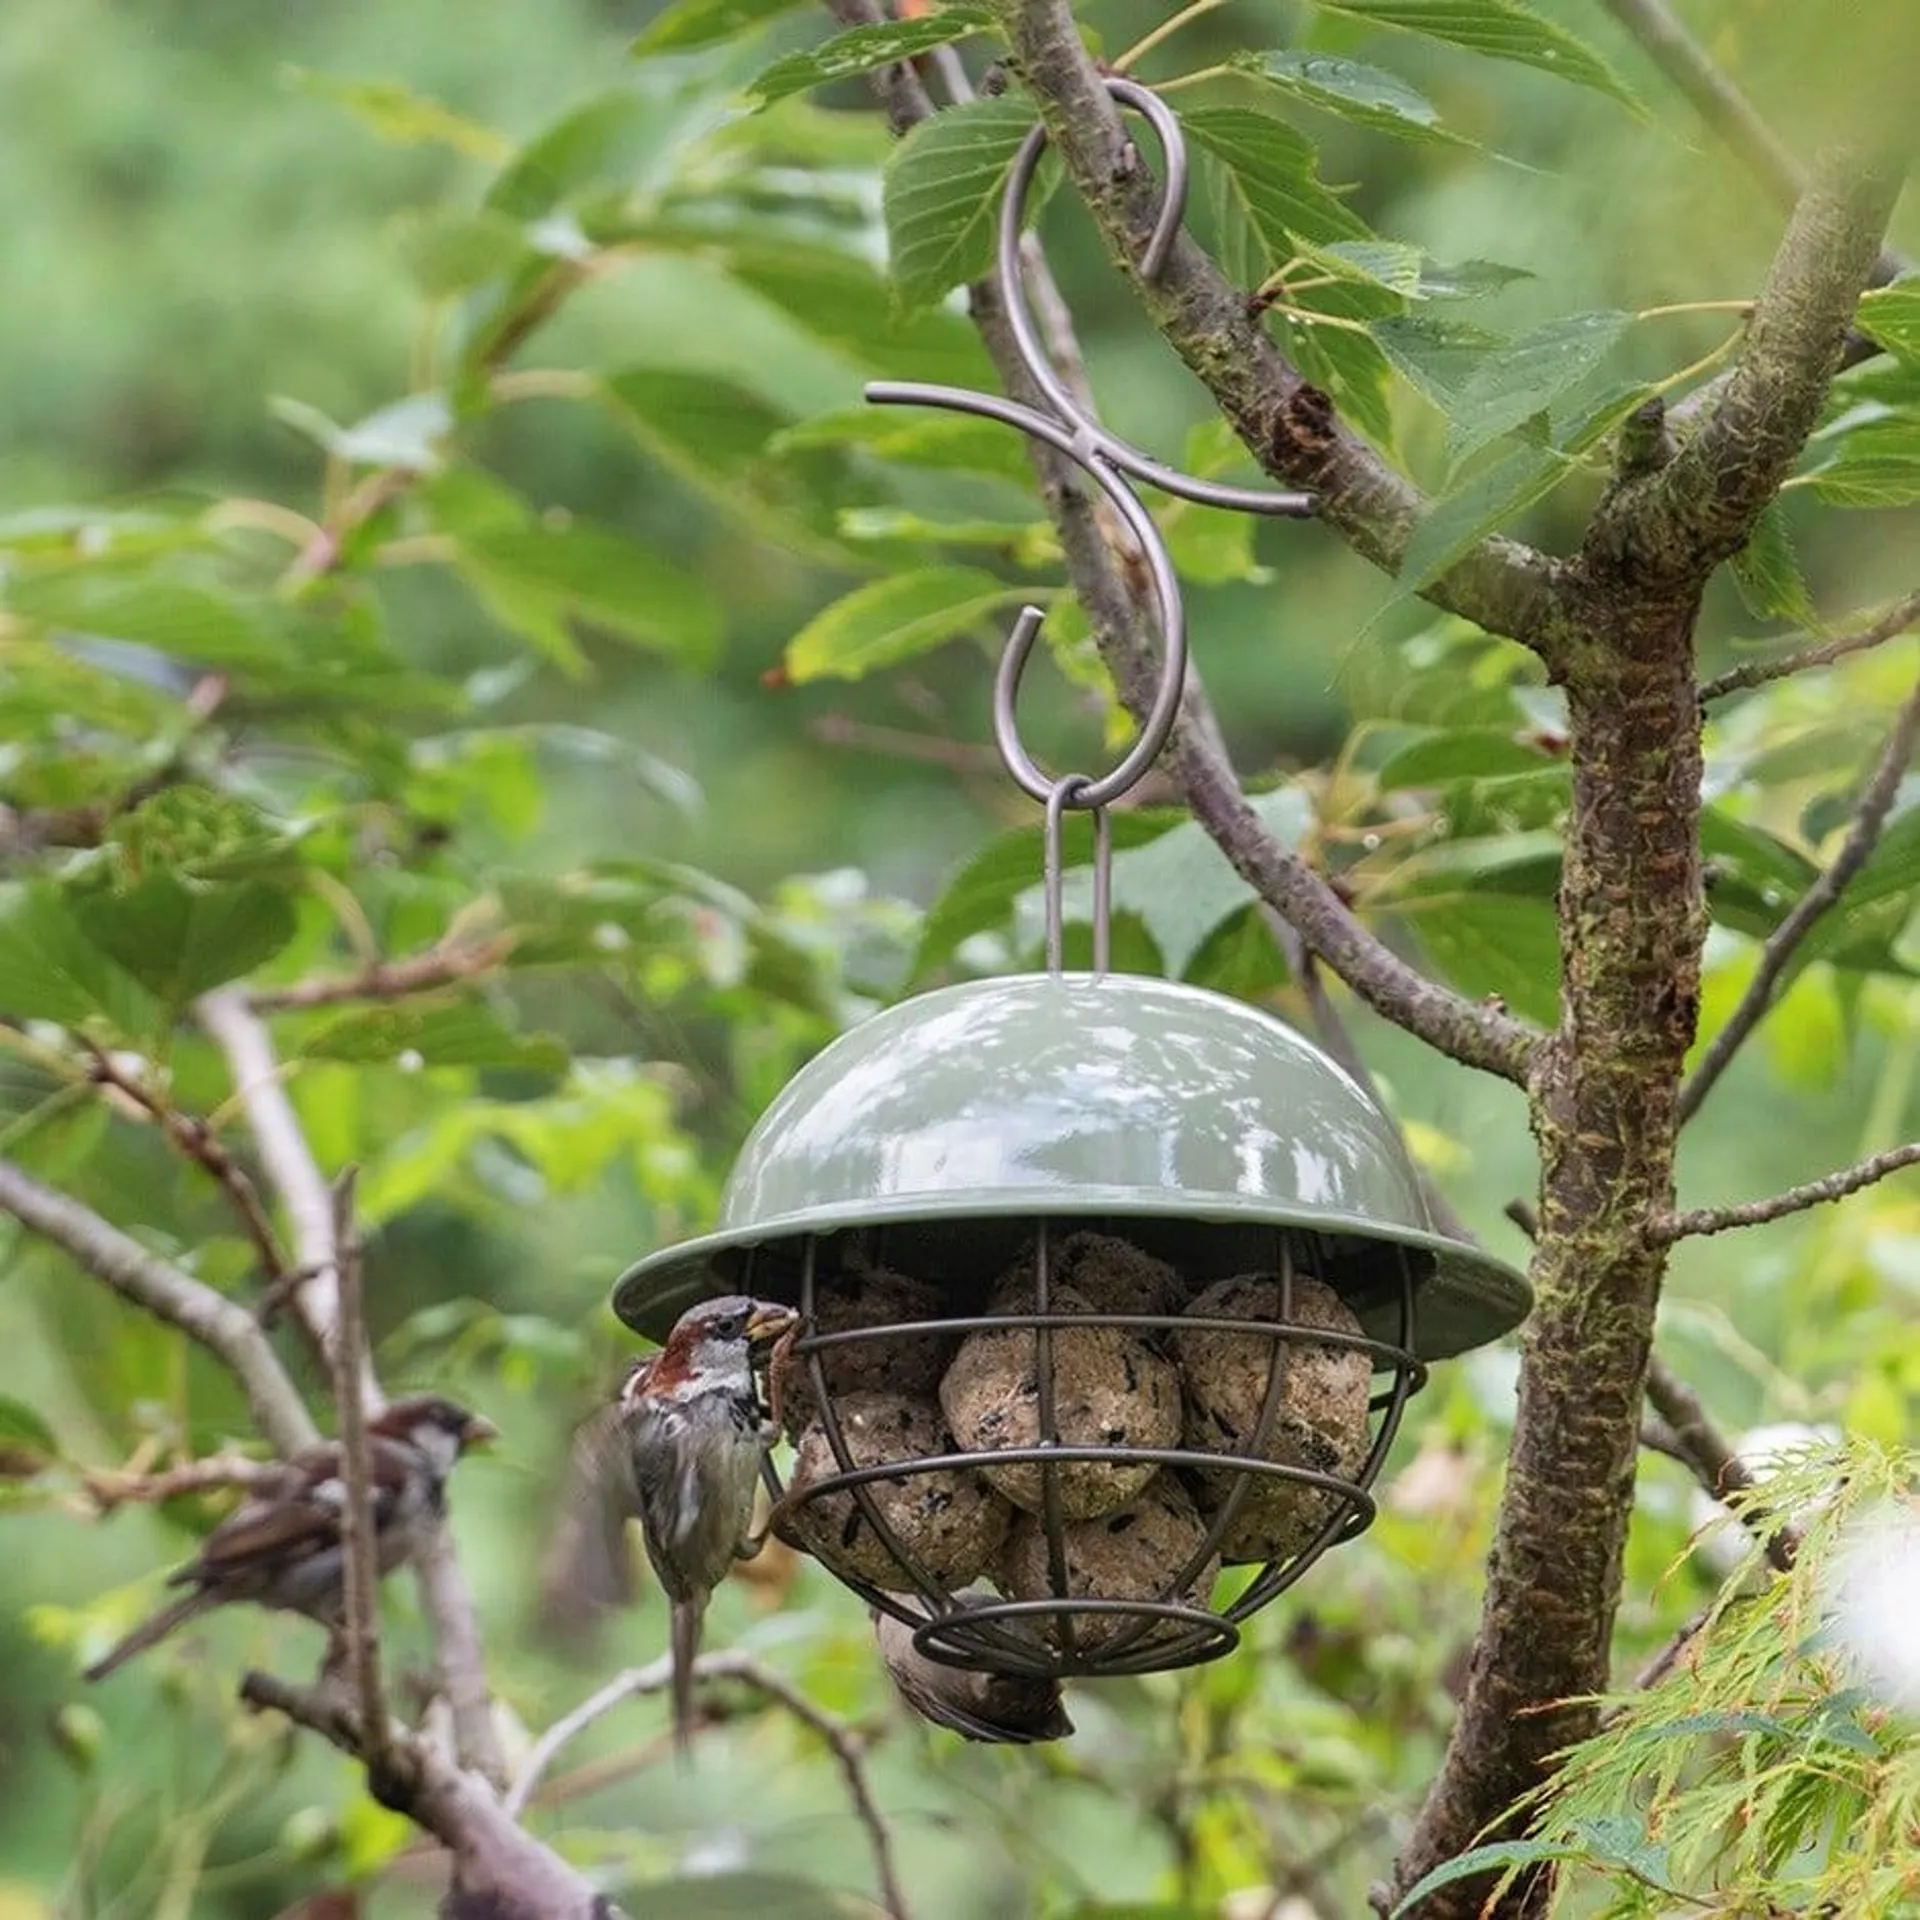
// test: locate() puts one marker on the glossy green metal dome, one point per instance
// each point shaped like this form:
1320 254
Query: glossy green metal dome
945 1126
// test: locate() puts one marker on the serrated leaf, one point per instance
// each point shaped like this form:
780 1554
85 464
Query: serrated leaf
188 623
894 619
24 1432
1525 378
463 1034
704 23
1366 96
182 938
588 573
861 49
50 970
396 113
1269 169
1875 465
1891 315
1240 957
1491 943
939 443
1767 572
1489 500
1499 29
941 192
1458 753
1437 356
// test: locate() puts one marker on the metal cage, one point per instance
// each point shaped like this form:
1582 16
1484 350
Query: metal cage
1164 1628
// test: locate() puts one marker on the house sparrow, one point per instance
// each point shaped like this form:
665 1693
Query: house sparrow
694 1431
1001 1709
281 1547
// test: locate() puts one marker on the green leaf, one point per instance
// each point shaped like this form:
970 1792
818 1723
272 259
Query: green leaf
1366 96
189 623
406 434
893 619
396 113
1767 572
1527 377
1495 943
940 195
179 938
588 573
935 442
50 970
1490 499
1240 957
24 1433
463 1034
1442 754
1875 465
981 897
1500 29
1876 904
1478 1860
863 48
1891 315
704 23
1438 357
1269 171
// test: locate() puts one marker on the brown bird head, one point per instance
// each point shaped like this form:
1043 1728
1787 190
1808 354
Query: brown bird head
714 1345
434 1426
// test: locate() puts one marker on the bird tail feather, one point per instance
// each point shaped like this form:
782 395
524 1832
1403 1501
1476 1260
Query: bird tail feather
149 1633
686 1645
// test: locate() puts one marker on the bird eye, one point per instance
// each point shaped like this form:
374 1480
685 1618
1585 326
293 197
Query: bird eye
729 1328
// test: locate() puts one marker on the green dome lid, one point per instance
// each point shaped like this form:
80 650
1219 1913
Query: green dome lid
1194 1124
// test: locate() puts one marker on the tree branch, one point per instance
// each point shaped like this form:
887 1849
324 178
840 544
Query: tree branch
1756 1213
1756 673
1286 424
197 1141
225 1329
110 1487
1869 821
386 979
1666 528
295 1176
1664 38
357 1551
1715 1465
845 1744
492 1856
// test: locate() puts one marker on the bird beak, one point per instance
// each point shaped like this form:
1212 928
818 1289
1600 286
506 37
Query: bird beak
478 1432
766 1324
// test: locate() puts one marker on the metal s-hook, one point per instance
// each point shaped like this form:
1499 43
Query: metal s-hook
1072 430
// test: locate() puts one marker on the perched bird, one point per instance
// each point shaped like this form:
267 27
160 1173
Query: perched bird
281 1547
1003 1709
694 1430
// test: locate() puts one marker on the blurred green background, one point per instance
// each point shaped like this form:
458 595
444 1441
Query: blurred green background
195 234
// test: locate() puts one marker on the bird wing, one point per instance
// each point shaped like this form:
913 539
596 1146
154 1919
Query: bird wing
587 1568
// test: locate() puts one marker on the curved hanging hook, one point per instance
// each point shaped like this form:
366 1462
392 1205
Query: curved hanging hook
1013 209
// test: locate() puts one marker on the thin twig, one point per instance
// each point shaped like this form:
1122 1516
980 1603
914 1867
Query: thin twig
295 1176
356 1515
843 1741
1724 108
1814 1193
1715 1465
226 1329
386 979
1757 673
200 1144
110 1487
1869 821
1669 1656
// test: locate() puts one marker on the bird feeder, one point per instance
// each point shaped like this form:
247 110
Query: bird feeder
1108 1284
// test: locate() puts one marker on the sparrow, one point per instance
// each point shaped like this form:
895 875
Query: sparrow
280 1548
1001 1709
694 1430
